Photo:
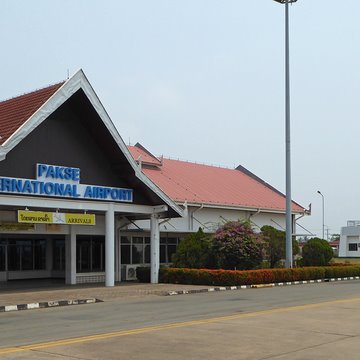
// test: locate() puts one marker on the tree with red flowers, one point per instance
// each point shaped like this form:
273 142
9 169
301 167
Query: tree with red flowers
237 246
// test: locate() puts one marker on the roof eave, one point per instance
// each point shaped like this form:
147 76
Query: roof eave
239 208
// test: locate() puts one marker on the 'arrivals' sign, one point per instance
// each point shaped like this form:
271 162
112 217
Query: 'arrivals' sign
41 217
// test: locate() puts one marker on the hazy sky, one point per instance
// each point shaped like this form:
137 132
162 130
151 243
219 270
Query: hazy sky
203 80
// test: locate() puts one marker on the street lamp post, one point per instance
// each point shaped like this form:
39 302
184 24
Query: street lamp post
289 254
323 214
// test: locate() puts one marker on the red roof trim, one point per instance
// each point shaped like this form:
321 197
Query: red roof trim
16 111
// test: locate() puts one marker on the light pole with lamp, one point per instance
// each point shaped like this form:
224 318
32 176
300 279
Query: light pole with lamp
323 214
289 254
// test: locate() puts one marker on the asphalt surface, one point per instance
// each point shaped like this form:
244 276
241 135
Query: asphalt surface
35 326
301 322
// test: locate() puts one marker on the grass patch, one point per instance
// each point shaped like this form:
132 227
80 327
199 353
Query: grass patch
355 261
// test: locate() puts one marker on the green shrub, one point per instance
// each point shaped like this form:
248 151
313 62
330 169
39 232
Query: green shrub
317 252
193 252
265 264
342 271
275 241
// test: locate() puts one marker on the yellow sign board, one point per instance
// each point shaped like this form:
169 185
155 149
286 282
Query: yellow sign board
41 217
35 217
16 227
80 219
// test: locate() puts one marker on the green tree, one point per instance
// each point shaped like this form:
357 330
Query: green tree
193 252
237 246
335 237
275 241
317 252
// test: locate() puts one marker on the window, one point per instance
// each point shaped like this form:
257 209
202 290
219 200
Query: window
59 254
147 250
26 255
90 253
353 247
125 250
137 249
14 257
168 246
98 253
2 257
39 251
171 248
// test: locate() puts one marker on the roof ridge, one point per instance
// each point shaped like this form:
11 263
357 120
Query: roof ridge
200 163
32 91
247 172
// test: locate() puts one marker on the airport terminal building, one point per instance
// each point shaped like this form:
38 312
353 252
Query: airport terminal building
77 204
68 183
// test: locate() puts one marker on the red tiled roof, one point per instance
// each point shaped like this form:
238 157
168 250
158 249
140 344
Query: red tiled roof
14 112
203 184
181 181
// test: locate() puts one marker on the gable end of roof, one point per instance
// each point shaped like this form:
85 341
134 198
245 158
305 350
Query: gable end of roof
51 102
16 111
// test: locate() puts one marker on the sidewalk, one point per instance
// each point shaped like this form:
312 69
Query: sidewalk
49 293
11 294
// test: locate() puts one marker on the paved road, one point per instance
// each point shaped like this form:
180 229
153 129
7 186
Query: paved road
253 320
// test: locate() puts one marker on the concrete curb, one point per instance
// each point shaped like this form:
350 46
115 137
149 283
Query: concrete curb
47 304
257 286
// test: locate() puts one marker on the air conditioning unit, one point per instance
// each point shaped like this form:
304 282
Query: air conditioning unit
130 273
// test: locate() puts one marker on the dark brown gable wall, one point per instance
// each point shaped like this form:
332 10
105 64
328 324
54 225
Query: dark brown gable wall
75 136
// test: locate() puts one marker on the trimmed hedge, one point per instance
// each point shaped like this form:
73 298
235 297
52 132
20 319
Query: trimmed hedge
252 277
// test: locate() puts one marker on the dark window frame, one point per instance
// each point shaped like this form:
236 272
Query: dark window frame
81 246
168 245
16 249
59 254
353 247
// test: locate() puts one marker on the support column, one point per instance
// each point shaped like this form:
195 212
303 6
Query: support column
49 255
117 255
109 246
155 248
70 257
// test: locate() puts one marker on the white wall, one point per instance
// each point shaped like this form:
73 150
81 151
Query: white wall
211 218
349 235
28 274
